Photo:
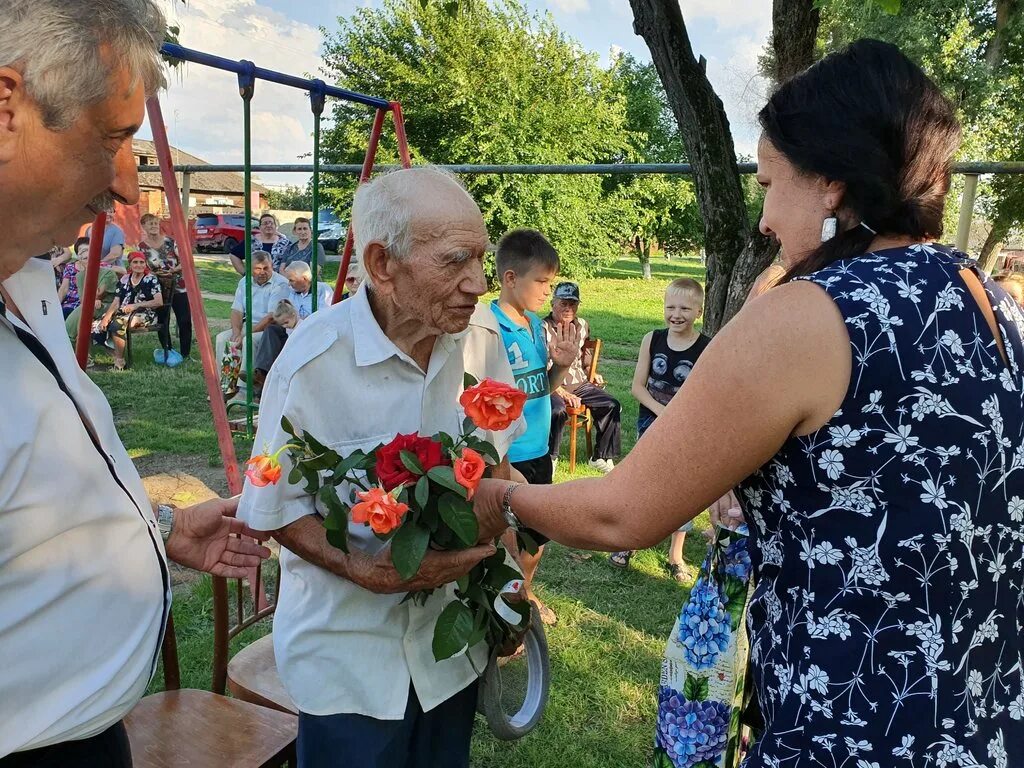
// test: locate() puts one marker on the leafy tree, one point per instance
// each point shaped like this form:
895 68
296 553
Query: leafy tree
662 209
291 198
491 83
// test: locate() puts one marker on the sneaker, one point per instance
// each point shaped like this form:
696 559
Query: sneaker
601 465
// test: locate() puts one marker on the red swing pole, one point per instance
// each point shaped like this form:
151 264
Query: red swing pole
364 174
88 297
195 299
403 142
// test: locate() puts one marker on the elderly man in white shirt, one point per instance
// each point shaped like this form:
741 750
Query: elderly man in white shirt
84 588
354 655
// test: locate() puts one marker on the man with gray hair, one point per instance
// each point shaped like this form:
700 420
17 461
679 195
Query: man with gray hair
84 587
298 293
353 654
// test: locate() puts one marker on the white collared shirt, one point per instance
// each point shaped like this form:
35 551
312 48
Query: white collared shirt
339 647
264 297
303 302
83 576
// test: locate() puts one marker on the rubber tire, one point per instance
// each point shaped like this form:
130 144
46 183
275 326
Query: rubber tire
228 244
489 705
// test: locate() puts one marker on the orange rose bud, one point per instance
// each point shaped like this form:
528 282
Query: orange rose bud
380 509
493 405
468 470
263 470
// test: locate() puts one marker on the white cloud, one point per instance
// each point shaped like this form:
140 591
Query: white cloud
729 14
570 6
202 108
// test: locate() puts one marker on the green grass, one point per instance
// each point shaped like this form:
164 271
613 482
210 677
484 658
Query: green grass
606 649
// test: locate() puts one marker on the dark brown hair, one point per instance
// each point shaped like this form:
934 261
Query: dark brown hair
869 117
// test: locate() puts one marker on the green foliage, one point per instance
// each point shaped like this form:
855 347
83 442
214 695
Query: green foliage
493 85
291 198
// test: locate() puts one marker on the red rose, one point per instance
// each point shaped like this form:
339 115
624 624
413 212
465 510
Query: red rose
391 472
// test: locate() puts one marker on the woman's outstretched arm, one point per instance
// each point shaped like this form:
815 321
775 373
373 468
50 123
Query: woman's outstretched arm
781 367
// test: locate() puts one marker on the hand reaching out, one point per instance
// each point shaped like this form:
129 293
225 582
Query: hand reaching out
565 345
727 512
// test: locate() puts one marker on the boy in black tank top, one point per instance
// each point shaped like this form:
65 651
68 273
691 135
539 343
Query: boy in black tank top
667 355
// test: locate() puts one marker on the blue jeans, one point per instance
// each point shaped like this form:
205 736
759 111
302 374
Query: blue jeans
435 739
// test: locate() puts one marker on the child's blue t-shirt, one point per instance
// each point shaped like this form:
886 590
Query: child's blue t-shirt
528 355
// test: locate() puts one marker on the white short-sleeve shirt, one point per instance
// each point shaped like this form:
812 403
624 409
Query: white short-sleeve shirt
83 579
264 297
339 647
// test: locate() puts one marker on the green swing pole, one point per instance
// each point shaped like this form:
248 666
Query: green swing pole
246 88
316 103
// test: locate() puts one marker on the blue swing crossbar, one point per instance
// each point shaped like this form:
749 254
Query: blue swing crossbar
247 68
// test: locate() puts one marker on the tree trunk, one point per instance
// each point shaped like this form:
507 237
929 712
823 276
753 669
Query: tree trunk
705 130
1005 10
735 255
794 29
643 253
990 251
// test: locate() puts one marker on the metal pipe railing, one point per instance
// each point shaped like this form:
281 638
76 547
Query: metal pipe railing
972 167
248 69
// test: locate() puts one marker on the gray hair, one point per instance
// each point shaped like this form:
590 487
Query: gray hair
299 269
259 256
383 207
67 50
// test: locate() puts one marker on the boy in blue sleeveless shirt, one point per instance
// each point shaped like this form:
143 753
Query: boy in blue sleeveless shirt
527 264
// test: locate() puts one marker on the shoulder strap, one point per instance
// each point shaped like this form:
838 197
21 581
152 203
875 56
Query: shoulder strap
981 299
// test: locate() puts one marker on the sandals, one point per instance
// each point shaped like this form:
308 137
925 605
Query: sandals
621 559
677 571
119 366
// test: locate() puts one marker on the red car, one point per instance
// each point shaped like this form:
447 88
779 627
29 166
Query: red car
221 231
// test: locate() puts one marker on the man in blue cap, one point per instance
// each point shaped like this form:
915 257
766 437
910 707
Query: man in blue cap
577 388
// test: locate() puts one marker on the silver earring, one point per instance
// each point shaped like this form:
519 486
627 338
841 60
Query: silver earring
828 228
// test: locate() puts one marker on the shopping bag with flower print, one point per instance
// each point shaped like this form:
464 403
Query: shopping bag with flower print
702 674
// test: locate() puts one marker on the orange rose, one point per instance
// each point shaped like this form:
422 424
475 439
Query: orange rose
265 469
468 470
380 509
493 405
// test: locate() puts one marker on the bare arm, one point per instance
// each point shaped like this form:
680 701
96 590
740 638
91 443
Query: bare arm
237 263
307 538
262 324
236 324
639 388
62 292
791 343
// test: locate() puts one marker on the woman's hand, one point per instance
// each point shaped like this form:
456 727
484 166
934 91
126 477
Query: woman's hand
128 309
726 512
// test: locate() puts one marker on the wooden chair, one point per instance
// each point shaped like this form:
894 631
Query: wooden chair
199 728
251 674
130 332
581 416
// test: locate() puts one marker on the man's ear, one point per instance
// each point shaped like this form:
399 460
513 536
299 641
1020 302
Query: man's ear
379 266
15 107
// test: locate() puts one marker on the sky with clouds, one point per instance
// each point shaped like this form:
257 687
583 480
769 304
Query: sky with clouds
203 111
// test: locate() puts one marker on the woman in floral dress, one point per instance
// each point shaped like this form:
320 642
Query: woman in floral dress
879 455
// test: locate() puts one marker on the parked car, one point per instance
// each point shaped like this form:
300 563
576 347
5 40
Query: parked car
221 231
332 236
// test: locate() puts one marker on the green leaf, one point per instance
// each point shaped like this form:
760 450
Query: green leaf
347 464
458 515
408 546
287 426
695 688
422 492
452 631
311 476
661 759
468 426
411 462
469 380
500 574
462 582
486 449
445 476
294 475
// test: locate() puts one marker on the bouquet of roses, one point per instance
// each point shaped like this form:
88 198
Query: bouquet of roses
415 492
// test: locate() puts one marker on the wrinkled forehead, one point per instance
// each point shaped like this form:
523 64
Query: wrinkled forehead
450 217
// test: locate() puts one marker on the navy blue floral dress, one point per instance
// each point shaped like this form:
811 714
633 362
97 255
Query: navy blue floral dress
885 626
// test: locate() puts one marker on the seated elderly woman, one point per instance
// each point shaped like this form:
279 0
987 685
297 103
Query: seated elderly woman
138 296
